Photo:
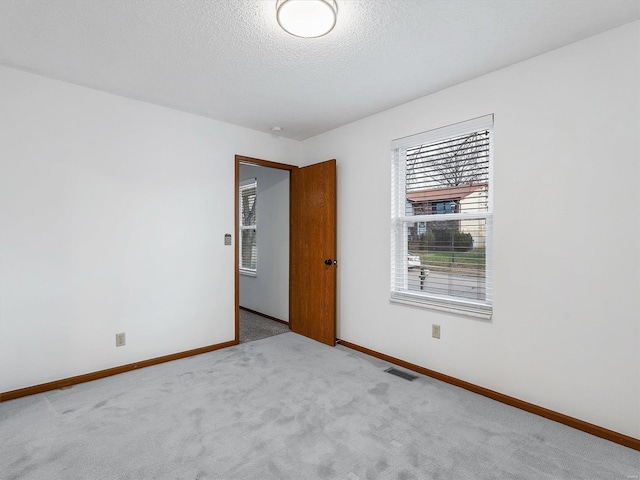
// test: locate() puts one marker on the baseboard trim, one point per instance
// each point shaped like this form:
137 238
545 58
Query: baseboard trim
264 315
572 422
88 377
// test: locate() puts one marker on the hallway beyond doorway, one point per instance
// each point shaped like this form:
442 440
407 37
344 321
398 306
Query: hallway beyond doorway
256 327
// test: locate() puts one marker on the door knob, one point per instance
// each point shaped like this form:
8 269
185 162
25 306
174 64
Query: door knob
328 261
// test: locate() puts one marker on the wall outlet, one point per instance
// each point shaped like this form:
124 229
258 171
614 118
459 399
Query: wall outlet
120 339
435 330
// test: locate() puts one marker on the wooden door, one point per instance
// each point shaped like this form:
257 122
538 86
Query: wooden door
312 290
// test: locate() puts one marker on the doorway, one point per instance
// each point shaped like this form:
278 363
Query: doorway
263 240
312 260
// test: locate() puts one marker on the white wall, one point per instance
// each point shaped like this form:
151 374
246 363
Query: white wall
268 291
565 332
113 215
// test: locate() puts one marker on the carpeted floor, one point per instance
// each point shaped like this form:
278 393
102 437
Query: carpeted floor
256 327
287 407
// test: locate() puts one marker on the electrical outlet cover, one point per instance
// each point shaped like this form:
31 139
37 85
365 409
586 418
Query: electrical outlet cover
435 330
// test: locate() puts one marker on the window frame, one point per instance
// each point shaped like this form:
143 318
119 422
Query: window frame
248 184
401 220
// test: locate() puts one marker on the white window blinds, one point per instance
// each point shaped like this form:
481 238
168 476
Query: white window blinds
441 219
248 230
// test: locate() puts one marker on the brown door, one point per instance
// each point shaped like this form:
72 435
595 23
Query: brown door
312 290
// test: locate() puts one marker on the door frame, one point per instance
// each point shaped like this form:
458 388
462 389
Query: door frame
240 159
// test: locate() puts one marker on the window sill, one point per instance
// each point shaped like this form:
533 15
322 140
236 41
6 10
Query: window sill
463 309
248 273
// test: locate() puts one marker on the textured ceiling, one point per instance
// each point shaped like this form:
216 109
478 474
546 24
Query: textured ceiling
229 60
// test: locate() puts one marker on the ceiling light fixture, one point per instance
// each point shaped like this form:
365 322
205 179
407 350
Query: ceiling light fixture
307 18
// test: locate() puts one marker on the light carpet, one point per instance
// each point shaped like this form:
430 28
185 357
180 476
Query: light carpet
256 327
287 407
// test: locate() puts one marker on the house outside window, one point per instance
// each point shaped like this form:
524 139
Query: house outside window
248 231
442 215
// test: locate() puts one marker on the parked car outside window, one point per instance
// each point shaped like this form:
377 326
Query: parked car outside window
413 260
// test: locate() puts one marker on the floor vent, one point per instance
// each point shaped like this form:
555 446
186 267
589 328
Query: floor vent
401 374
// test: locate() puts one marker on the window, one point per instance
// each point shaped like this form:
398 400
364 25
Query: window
441 220
248 231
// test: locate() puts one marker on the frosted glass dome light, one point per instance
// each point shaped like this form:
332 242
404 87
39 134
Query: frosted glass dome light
307 18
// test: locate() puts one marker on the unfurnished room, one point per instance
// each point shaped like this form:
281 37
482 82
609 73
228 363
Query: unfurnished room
320 239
